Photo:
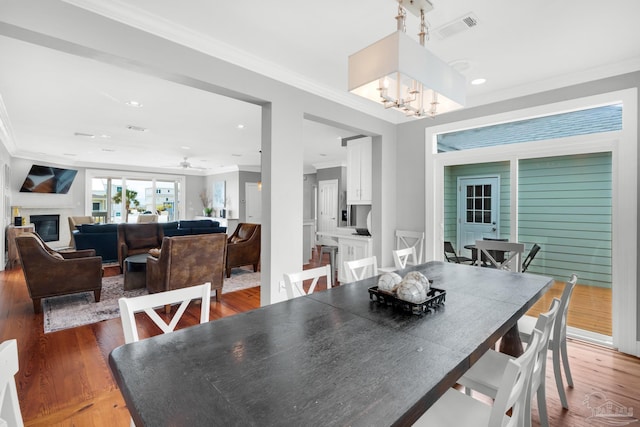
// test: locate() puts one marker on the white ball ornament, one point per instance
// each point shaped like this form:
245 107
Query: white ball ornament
411 289
388 282
416 275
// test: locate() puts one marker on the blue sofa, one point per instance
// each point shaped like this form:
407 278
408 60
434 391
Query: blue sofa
188 227
101 237
104 237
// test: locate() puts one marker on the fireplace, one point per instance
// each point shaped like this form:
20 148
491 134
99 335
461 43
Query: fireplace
47 226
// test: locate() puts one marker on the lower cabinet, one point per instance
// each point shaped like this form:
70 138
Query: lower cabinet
350 249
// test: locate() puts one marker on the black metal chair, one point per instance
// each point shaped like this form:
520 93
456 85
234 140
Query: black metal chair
452 256
532 254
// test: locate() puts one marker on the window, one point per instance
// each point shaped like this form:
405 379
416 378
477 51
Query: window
582 122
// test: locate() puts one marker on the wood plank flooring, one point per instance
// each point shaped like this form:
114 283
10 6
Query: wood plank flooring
65 380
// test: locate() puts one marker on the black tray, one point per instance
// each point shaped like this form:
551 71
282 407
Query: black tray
435 298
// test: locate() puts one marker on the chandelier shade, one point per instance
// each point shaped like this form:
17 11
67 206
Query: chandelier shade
400 73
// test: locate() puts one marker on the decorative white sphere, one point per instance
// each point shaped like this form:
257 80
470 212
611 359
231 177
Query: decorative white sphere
416 275
388 282
412 289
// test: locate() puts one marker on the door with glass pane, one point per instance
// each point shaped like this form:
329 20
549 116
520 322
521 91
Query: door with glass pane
478 209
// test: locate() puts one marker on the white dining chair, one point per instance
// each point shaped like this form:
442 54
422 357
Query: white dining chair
485 375
9 406
404 257
512 261
411 239
455 409
294 282
558 340
147 303
360 269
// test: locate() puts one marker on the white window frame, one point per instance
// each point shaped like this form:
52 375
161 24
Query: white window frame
623 146
124 175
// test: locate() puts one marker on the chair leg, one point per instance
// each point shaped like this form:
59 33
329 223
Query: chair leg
167 309
255 268
542 406
37 308
96 294
228 273
565 362
557 372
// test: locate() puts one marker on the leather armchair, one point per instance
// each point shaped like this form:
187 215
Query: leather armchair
188 261
138 239
243 247
49 273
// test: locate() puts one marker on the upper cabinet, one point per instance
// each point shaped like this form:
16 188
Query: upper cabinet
359 171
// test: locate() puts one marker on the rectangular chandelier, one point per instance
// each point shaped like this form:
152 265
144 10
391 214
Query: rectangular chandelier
402 74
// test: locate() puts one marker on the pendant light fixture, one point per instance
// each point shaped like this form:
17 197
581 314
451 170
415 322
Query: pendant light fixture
403 74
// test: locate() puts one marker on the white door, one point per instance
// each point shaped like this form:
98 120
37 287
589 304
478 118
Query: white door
253 205
478 209
328 205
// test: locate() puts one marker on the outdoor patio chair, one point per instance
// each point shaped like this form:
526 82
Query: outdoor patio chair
451 255
530 256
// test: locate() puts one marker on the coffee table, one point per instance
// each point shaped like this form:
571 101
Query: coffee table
135 272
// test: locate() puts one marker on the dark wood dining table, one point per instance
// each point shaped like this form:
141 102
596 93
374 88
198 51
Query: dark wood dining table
332 358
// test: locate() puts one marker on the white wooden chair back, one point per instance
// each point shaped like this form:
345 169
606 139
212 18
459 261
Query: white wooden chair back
360 269
402 257
512 261
558 340
411 239
545 325
294 281
513 391
9 405
130 306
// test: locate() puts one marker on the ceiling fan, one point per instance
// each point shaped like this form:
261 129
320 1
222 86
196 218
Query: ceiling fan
186 164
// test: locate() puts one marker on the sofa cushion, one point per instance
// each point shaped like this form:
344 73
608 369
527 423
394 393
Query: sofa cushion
98 228
173 225
197 223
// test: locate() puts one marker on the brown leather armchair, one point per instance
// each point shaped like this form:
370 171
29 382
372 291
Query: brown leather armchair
49 273
243 247
188 261
138 239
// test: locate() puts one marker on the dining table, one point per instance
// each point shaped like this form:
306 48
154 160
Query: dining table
332 358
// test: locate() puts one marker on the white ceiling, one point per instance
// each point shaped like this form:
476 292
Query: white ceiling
519 47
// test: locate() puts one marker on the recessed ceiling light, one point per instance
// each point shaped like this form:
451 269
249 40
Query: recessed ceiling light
236 155
240 126
70 154
185 147
134 104
322 155
108 149
477 82
86 135
104 136
137 128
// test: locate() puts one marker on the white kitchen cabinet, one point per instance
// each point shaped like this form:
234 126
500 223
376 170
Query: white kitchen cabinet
352 248
359 171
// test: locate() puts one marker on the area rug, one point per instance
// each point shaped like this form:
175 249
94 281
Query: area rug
70 311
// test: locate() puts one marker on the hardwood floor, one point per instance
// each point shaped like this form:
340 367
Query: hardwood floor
65 380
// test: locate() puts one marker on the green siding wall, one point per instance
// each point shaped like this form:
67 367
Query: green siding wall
451 175
565 207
